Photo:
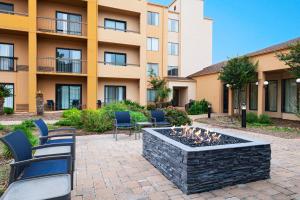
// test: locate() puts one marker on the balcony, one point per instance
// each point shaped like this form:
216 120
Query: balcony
60 26
111 70
12 20
61 66
8 64
118 36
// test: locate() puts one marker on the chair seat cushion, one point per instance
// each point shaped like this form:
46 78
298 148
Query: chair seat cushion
48 167
56 141
164 123
124 125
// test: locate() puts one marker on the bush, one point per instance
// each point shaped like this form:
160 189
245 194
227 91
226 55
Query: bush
71 117
264 119
252 118
199 107
97 120
151 106
138 117
28 124
177 117
1 127
28 133
8 111
133 106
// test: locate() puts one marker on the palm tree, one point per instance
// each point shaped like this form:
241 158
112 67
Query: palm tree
4 93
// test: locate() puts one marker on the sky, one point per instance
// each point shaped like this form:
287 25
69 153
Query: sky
244 26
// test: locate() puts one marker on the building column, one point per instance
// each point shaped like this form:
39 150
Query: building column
230 102
32 56
92 53
143 59
261 93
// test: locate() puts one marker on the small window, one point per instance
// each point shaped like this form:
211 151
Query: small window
173 25
151 95
271 96
173 71
6 8
153 18
152 68
152 44
173 48
115 58
7 62
68 23
115 25
253 96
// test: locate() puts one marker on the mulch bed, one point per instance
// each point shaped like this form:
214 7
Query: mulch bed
276 129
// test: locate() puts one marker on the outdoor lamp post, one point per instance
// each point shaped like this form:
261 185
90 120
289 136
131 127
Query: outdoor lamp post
244 110
209 111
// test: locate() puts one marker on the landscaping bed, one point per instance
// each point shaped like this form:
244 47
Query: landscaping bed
278 127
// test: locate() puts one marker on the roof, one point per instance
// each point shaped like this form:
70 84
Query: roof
215 68
175 78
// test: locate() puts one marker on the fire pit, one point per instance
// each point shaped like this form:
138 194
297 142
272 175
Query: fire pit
198 160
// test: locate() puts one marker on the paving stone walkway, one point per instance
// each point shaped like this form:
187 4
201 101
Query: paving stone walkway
116 170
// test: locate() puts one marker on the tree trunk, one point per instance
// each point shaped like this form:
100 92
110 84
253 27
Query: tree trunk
2 105
239 102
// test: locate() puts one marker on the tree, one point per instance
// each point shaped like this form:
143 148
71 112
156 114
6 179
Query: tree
292 59
238 72
160 86
4 92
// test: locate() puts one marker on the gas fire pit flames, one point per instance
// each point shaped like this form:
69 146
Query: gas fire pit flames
197 136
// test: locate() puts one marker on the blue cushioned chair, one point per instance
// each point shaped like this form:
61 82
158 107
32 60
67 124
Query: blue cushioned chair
159 119
26 167
122 121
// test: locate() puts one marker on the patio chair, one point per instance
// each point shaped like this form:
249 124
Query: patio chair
50 105
25 166
122 121
159 119
76 104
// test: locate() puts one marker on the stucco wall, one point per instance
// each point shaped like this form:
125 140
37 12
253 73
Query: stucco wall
20 6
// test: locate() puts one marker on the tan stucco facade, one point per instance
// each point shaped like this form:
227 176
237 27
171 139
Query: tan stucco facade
36 34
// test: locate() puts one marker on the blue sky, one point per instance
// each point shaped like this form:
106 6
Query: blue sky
243 26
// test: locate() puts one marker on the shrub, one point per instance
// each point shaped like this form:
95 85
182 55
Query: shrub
8 111
133 106
151 106
1 127
97 120
264 119
138 117
252 118
28 124
28 133
199 107
177 117
71 117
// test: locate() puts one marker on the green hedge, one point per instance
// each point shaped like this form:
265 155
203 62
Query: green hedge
199 107
8 111
252 118
177 117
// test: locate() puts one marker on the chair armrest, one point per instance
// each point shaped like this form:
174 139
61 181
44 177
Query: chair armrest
26 162
51 145
63 129
58 135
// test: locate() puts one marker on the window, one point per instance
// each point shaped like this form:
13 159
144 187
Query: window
114 94
68 23
291 96
271 96
68 60
6 57
115 25
151 95
172 71
236 98
253 96
173 49
152 68
9 101
68 96
152 44
153 18
6 8
115 58
173 25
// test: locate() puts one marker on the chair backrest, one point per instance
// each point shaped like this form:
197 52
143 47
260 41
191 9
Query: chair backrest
18 144
50 102
122 117
43 129
159 115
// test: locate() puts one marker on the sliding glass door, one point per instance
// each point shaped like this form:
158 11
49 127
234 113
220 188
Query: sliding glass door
9 101
68 60
68 23
6 57
68 96
114 94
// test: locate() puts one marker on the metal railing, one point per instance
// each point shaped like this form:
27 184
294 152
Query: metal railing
8 63
13 13
67 27
121 30
62 65
118 64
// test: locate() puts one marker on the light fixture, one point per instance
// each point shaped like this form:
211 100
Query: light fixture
244 107
228 85
266 83
298 80
256 83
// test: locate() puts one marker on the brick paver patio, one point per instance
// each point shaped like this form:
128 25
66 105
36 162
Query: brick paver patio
116 170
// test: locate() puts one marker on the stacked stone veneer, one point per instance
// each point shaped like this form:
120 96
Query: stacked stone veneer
202 169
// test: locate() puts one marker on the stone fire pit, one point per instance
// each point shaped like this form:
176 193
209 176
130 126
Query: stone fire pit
197 160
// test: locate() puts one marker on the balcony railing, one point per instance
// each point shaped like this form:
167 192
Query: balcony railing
116 29
8 63
67 27
62 65
118 64
13 13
